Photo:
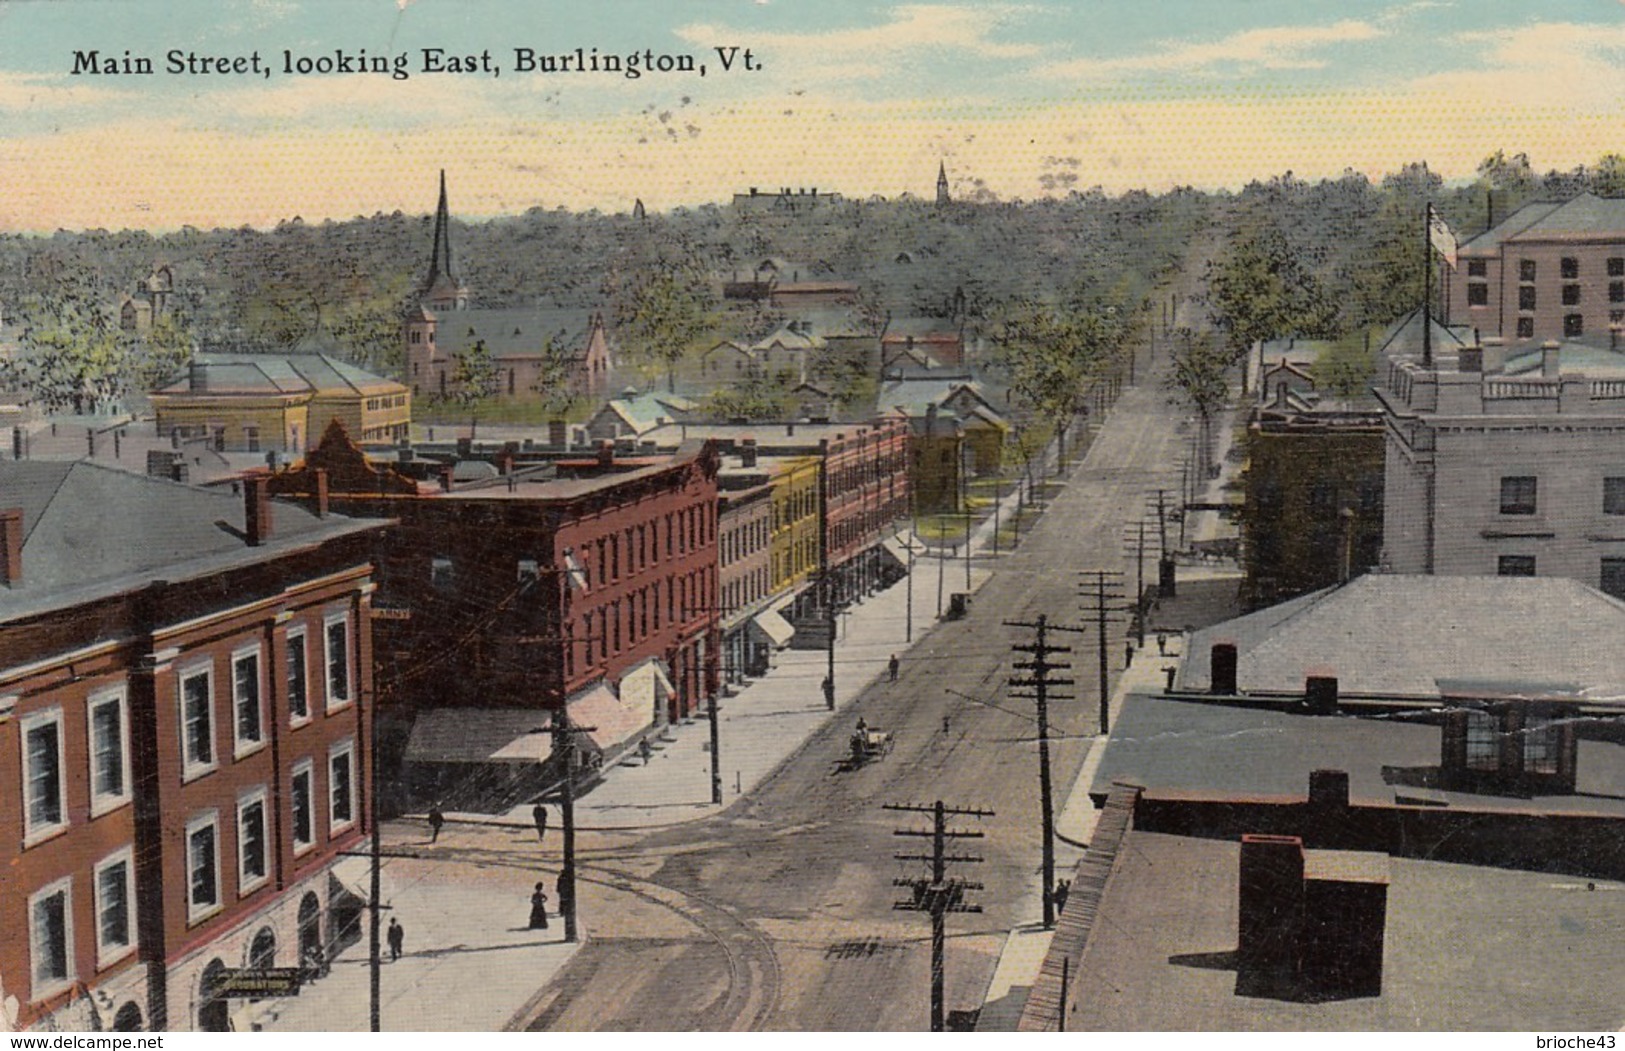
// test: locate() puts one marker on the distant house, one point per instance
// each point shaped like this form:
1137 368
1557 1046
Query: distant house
264 402
728 362
633 414
784 201
927 341
152 299
963 397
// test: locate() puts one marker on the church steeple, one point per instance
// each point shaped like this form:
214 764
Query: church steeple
942 183
441 290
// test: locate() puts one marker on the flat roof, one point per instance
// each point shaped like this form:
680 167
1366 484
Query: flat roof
1465 948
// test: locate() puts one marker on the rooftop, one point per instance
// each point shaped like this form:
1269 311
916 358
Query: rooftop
273 374
92 531
1452 627
1466 948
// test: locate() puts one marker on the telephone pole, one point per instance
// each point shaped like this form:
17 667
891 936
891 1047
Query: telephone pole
1099 602
1041 683
564 743
938 894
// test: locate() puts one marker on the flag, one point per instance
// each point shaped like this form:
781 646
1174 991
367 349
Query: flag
1441 237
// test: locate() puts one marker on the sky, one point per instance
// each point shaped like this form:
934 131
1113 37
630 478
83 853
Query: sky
1020 100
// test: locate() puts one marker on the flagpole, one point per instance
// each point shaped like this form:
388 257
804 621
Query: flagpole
1427 286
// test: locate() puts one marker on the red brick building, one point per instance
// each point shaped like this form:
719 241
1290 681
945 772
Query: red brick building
750 631
522 590
185 718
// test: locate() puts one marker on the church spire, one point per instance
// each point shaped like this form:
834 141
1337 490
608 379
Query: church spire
942 183
441 288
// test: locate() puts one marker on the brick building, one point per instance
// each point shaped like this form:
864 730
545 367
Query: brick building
524 589
750 629
1551 270
185 724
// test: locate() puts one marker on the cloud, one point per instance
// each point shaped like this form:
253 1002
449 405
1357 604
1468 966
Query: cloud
23 91
1275 48
1520 67
875 51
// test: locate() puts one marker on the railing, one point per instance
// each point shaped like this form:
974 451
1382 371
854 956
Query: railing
1607 390
1544 389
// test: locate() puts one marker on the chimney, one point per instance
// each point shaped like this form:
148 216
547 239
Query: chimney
606 453
1548 359
1270 914
1222 669
11 546
257 509
789 430
1495 354
558 433
1320 694
197 376
320 476
1329 788
1470 359
465 448
747 452
445 477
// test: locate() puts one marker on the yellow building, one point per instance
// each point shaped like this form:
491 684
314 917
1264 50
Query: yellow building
261 402
795 520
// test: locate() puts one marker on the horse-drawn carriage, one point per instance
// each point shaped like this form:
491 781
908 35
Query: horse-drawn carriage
866 745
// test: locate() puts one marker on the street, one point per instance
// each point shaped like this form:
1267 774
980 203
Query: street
777 914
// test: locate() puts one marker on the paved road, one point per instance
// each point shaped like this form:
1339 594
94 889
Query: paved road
777 914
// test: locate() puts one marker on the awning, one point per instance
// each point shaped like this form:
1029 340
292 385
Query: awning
646 688
480 735
776 628
353 875
612 720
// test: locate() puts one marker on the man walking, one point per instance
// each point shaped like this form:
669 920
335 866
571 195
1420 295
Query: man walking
538 814
436 819
397 938
891 667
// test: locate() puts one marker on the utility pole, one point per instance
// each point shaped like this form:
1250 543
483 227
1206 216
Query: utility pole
827 592
564 743
1099 602
968 519
1041 683
1137 547
938 895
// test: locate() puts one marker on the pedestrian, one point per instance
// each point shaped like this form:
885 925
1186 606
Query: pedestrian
538 908
538 814
436 819
1128 654
891 667
645 752
1162 644
397 938
567 902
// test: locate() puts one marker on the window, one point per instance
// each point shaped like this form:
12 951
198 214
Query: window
245 700
46 810
1515 566
442 573
338 662
251 438
1616 266
529 570
1483 742
115 933
1540 744
1570 267
298 678
50 938
1526 328
1616 291
1478 268
1573 325
1526 297
1613 495
1526 270
1518 495
1571 295
341 787
1612 577
252 862
109 752
1478 294
202 868
304 823
197 721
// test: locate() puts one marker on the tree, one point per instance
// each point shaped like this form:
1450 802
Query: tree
1197 379
757 398
1257 289
1347 367
554 382
72 357
666 317
476 378
1050 357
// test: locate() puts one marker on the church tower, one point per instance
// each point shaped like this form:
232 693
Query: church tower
942 184
441 290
